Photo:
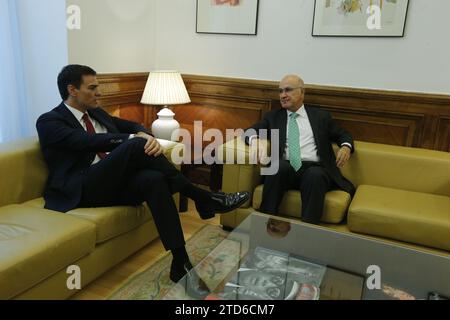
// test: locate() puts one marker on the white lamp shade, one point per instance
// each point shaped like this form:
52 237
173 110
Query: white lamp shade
165 88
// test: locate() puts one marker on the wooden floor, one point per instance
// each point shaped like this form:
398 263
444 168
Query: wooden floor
106 284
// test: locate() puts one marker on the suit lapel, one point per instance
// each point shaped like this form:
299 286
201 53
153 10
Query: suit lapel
102 119
315 123
99 117
69 116
281 122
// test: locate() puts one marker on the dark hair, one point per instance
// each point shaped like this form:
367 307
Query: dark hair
72 74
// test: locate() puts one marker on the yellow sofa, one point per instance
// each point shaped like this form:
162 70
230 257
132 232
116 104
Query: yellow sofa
38 245
403 194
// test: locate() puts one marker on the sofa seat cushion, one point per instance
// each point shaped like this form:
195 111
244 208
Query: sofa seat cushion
407 216
335 208
36 243
110 221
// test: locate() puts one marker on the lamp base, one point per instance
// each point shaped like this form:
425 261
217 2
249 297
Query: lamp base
166 127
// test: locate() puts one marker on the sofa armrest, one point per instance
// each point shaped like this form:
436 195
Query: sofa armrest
172 150
238 173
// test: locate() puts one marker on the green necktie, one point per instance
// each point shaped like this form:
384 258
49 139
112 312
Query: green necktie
294 142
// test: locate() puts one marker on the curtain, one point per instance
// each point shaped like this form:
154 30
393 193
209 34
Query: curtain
13 113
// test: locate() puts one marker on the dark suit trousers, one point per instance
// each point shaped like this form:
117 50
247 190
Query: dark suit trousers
127 176
312 180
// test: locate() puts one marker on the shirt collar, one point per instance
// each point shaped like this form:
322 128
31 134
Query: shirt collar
77 113
301 112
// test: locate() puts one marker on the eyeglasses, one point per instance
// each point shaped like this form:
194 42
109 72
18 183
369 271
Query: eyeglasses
288 89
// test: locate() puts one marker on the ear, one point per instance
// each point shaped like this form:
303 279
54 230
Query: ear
73 91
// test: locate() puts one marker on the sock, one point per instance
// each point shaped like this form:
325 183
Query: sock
197 194
180 255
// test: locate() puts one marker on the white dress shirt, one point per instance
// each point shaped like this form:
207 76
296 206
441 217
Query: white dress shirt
99 128
308 148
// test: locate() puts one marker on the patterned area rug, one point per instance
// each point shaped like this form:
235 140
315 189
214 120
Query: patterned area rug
153 282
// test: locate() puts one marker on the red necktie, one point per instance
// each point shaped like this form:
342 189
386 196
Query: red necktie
90 129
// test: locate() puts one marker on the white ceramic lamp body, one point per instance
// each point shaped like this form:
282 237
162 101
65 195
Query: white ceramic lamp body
165 88
166 127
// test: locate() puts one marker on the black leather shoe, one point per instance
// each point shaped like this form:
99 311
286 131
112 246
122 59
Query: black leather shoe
178 271
187 276
221 203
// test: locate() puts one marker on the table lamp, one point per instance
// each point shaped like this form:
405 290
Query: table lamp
165 88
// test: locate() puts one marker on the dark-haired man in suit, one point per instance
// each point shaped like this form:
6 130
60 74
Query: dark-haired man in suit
97 160
308 162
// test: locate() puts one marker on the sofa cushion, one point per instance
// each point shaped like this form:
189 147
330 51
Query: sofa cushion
401 215
36 243
110 221
336 204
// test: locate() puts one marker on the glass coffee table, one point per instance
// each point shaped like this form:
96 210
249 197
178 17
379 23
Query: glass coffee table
268 257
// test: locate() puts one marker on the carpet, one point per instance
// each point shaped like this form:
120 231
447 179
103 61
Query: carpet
208 248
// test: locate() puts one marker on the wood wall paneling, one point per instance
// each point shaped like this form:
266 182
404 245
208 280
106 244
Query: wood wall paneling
443 135
398 118
387 127
220 112
121 96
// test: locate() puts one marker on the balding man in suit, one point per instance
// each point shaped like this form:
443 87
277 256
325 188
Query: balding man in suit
307 161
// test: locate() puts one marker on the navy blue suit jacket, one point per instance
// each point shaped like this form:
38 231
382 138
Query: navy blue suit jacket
69 151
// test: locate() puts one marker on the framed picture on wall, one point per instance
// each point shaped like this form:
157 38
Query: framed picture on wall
227 16
360 18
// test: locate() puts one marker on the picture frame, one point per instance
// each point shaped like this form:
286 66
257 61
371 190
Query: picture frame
359 18
234 17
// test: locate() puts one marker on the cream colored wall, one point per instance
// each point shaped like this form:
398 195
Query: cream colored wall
115 35
417 62
141 35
